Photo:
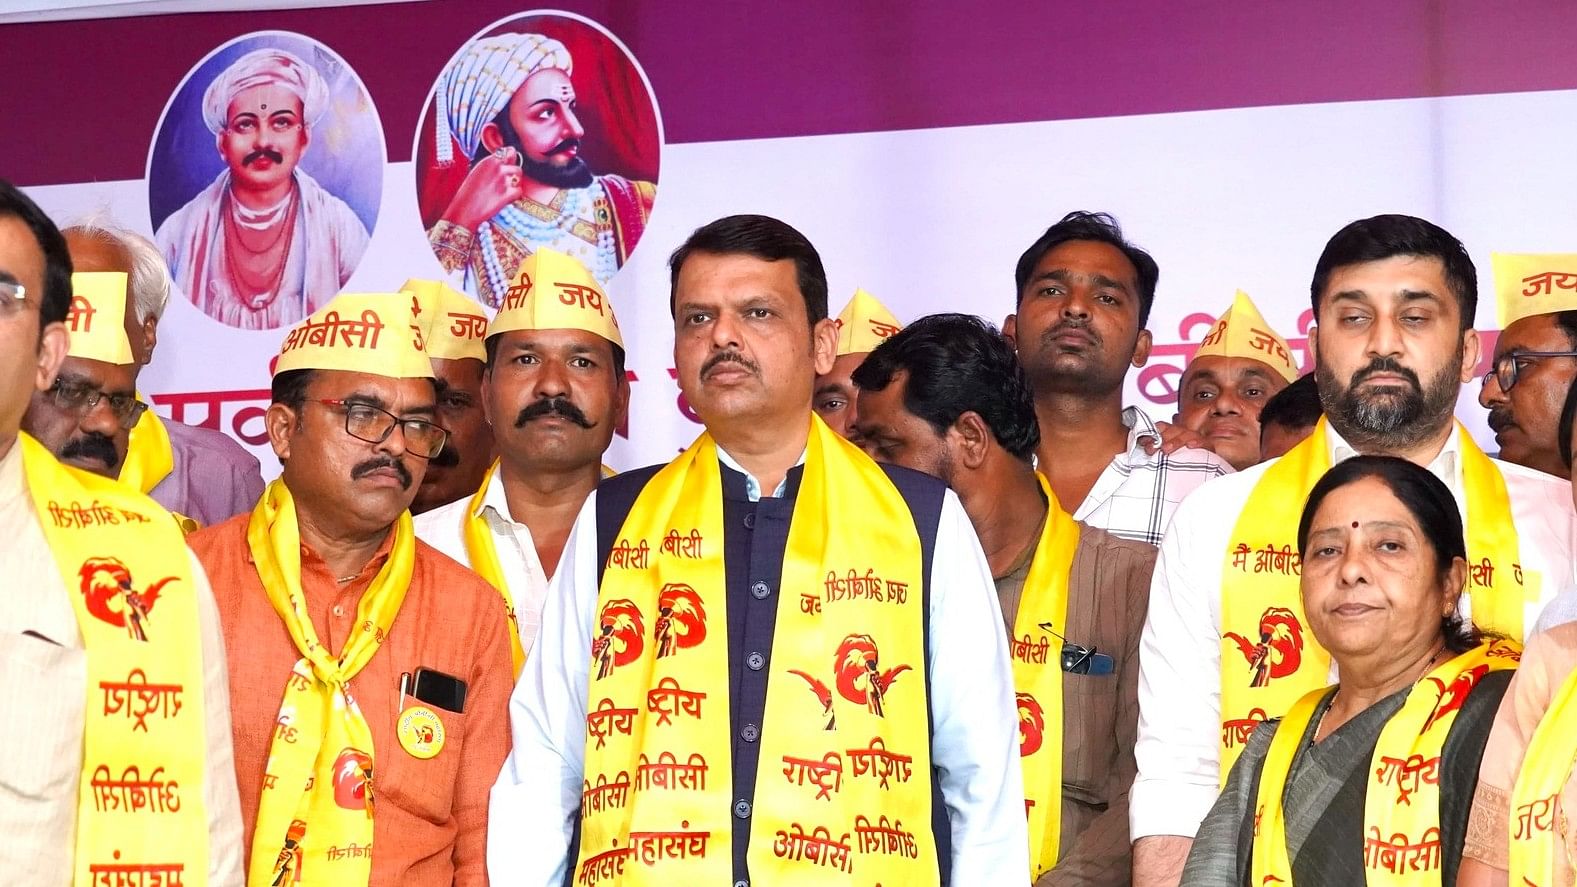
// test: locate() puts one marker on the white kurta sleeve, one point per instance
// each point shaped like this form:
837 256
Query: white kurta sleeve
974 743
533 804
1180 676
219 788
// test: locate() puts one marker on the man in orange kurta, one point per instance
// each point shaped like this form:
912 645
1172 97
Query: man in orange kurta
349 493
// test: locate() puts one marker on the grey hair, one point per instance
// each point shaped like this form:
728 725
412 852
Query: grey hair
149 280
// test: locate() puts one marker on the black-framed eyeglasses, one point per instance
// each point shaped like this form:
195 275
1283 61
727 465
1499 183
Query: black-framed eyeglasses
13 298
1507 365
363 421
79 398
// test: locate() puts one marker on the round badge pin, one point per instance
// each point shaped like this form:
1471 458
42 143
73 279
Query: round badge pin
421 732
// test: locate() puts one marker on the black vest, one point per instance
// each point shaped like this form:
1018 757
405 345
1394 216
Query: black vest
754 537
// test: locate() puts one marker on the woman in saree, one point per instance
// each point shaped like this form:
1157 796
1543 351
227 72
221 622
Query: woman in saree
1368 781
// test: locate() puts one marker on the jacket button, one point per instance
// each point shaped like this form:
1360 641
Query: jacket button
756 661
750 733
760 590
742 809
750 521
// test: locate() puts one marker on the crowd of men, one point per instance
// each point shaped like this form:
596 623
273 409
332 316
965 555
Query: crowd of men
925 603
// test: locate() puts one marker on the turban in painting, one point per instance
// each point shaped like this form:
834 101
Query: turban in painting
479 83
263 67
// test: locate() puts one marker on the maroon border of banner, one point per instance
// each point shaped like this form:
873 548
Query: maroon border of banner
82 98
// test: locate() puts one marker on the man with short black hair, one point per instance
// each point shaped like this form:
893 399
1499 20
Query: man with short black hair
946 396
1289 417
1224 643
770 659
1083 299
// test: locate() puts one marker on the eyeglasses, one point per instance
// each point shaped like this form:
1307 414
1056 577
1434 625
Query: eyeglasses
13 298
79 398
367 422
1506 367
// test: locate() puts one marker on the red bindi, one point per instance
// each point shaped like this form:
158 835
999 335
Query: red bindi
1355 525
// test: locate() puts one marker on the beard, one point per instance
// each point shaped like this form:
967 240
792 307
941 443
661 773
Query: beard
575 174
1393 418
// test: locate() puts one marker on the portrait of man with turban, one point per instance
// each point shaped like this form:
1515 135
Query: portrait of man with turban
264 245
508 107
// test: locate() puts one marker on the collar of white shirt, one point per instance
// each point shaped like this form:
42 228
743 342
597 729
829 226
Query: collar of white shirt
753 486
1445 465
1140 426
495 498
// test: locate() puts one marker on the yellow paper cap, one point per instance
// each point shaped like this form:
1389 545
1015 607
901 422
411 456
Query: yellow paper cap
863 324
1527 284
552 291
1243 332
375 333
453 326
96 319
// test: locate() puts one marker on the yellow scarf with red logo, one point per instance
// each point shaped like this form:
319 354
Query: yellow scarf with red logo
843 790
314 819
1268 658
1036 649
1401 814
1536 809
141 812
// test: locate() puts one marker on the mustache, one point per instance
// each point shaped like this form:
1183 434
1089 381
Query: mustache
1500 418
91 446
381 462
550 406
565 145
1080 325
260 153
722 357
1385 365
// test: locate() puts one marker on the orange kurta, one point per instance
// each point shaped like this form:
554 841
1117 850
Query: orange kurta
431 816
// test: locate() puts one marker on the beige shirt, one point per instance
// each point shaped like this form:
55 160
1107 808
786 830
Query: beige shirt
1108 588
43 671
1546 663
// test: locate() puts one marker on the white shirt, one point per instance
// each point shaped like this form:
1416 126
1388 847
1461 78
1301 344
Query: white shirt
43 691
444 529
974 739
1180 653
1137 493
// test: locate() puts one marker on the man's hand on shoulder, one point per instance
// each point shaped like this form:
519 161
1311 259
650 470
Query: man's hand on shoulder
1174 438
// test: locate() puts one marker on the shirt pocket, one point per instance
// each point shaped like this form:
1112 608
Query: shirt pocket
1090 729
43 689
423 788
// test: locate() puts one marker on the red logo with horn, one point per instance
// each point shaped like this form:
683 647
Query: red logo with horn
110 597
860 678
353 780
1279 651
618 641
1452 695
1031 725
681 619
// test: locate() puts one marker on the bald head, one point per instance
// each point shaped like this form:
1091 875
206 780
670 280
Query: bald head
97 248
